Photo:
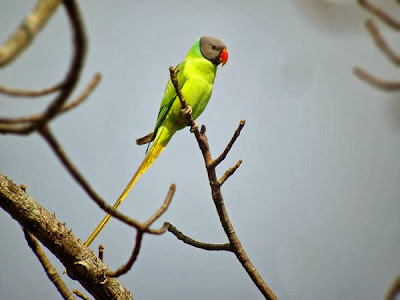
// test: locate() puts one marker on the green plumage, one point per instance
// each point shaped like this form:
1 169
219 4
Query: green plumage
196 76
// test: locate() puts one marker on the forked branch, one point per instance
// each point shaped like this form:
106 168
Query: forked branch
235 244
70 80
67 106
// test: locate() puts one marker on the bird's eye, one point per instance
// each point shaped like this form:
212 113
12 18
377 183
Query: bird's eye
214 46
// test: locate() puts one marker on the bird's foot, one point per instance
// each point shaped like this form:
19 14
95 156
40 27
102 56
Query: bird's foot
186 111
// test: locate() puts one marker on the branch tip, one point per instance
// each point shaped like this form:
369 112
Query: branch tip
200 245
228 173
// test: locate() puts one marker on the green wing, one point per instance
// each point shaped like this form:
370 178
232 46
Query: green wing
169 98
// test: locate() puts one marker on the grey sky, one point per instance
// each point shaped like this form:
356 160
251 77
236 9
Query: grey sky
316 200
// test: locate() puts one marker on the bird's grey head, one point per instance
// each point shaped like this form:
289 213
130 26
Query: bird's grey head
213 49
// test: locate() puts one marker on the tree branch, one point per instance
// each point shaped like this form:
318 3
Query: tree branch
67 107
47 266
381 42
25 33
382 45
70 80
228 173
61 242
205 246
216 193
30 93
381 14
223 155
385 85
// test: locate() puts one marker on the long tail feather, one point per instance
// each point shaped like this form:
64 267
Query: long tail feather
155 150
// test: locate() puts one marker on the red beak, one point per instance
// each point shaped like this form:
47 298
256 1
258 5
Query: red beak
223 56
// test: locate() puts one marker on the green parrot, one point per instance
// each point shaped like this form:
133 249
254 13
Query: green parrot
196 76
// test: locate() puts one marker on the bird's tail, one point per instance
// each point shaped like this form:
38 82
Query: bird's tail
158 146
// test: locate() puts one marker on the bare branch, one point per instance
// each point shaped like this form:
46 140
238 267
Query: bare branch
235 243
385 85
68 106
47 266
126 267
158 231
223 155
70 80
60 241
205 246
73 74
84 95
30 93
25 33
228 173
382 15
381 43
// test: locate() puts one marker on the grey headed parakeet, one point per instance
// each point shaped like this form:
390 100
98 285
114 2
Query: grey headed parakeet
196 76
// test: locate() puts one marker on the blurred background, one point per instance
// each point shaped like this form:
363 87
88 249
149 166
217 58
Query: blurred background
316 200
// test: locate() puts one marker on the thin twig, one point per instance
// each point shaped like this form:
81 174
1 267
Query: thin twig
25 33
84 95
139 234
67 107
127 266
381 42
228 173
381 14
223 155
80 295
201 245
385 85
30 93
51 272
